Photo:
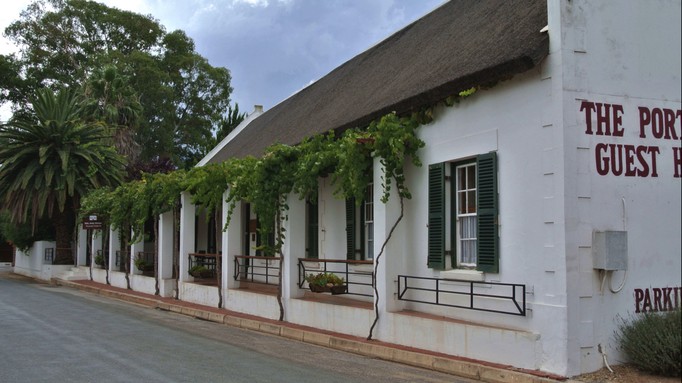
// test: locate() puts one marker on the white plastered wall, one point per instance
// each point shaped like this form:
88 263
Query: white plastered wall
623 53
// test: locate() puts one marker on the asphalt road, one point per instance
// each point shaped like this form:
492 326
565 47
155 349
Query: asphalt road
56 334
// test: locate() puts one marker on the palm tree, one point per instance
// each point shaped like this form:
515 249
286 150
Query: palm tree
109 98
47 164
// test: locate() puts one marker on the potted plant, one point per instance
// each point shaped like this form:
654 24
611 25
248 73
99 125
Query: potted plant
99 260
326 283
200 272
143 265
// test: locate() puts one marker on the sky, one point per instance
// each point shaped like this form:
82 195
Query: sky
273 48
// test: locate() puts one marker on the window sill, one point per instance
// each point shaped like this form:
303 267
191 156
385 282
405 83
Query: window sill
463 275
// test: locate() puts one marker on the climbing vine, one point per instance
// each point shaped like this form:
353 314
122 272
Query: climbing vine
266 182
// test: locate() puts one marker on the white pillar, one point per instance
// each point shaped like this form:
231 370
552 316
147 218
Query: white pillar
293 248
134 249
96 243
385 216
113 248
187 214
165 258
82 246
232 243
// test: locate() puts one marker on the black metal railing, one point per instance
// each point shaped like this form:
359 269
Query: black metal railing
148 257
511 299
122 260
105 257
254 269
207 261
49 254
341 267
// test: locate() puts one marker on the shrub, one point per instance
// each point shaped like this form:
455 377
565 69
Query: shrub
652 341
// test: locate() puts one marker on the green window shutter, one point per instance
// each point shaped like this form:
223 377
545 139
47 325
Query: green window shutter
350 228
271 243
313 230
486 206
436 254
259 253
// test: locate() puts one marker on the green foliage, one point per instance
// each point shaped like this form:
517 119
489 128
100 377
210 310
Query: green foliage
51 160
651 341
22 235
140 263
66 42
198 269
109 98
99 260
322 279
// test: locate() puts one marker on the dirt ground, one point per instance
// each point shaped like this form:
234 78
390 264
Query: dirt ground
623 374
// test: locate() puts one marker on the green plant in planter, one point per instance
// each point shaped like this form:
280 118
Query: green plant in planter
140 263
198 269
99 260
324 279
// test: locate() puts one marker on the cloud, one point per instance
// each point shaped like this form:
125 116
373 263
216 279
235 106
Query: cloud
272 47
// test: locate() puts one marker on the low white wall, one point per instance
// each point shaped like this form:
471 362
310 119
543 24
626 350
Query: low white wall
118 279
143 284
514 347
342 319
99 275
199 294
30 264
261 305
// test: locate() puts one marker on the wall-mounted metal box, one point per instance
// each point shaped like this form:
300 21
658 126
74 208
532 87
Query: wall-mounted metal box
610 250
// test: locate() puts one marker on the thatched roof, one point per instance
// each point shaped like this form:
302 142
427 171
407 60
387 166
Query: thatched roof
461 44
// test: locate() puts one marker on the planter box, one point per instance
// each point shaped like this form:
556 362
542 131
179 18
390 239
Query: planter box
335 290
202 274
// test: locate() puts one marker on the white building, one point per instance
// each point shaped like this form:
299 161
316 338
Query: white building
557 181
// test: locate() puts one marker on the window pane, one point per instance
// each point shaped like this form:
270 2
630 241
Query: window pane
471 170
471 201
461 179
462 199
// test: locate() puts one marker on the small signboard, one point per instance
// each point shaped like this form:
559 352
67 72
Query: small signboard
93 222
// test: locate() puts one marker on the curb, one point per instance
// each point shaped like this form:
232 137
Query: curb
459 368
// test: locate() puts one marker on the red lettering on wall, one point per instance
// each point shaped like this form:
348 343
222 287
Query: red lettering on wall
654 150
639 295
644 120
602 162
677 162
630 160
657 299
667 302
616 169
618 120
657 125
588 107
670 132
647 301
662 300
641 151
603 118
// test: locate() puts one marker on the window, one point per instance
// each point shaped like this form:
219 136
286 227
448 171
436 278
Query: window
465 214
312 248
360 235
471 212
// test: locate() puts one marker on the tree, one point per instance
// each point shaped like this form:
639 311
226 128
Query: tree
110 99
64 41
50 162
